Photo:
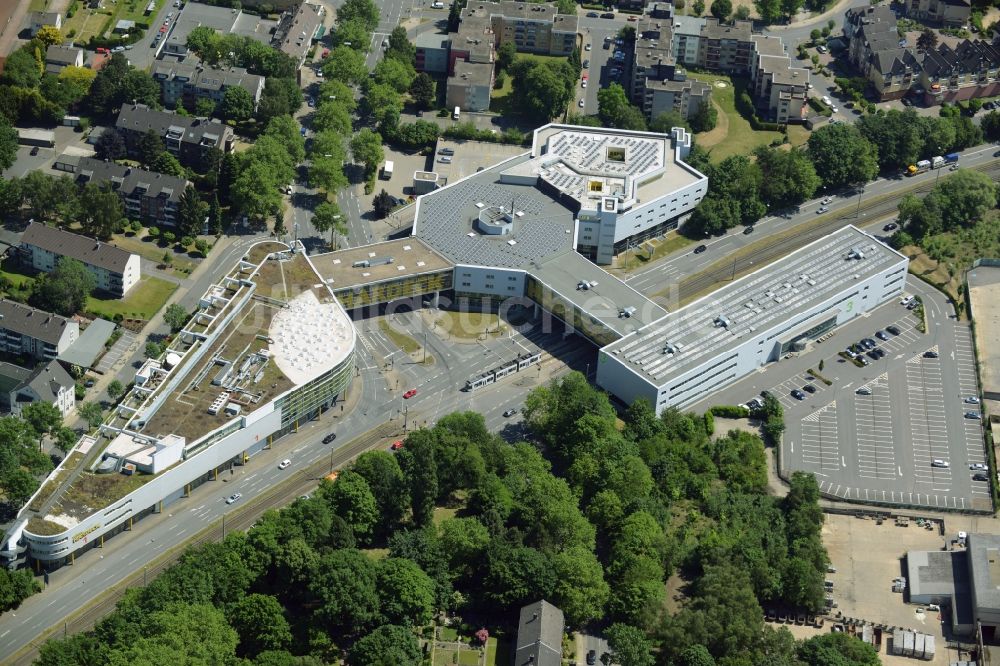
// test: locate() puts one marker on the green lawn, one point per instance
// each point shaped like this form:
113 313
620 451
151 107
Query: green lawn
500 99
142 302
152 251
638 258
448 634
404 342
19 278
733 134
498 653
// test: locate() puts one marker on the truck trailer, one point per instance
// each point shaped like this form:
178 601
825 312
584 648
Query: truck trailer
919 167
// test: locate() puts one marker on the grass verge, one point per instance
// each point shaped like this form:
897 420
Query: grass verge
401 340
661 248
153 252
142 302
469 325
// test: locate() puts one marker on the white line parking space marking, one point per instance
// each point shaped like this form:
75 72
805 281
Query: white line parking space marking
819 438
928 429
873 423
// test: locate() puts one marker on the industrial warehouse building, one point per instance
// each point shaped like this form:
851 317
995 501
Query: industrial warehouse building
716 340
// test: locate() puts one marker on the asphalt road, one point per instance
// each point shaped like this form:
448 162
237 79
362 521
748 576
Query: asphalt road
677 278
878 448
438 393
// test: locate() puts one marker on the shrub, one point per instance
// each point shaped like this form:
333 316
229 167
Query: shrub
709 423
153 232
187 241
169 236
730 411
202 246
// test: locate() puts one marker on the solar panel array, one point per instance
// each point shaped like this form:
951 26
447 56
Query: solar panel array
587 152
446 224
758 302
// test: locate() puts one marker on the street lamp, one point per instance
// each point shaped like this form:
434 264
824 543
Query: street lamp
857 213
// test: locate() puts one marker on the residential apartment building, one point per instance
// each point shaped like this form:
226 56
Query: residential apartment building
115 271
657 84
26 331
223 20
894 70
296 30
780 91
58 57
954 13
484 26
188 139
150 197
470 86
665 43
725 48
188 81
432 50
47 383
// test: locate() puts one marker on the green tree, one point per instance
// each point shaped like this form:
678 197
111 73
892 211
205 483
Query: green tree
345 586
327 217
721 9
385 479
168 164
400 46
175 316
179 633
8 144
705 117
92 413
629 645
365 12
281 96
153 349
16 586
666 121
101 212
963 197
366 148
204 107
382 205
255 192
21 69
464 542
420 468
544 89
615 110
506 55
261 624
770 11
345 64
897 135
111 145
288 133
407 593
65 439
389 644
696 655
580 589
237 104
191 211
837 650
328 157
698 7
842 156
423 90
351 498
64 290
398 74
351 34
149 147
115 389
789 177
927 40
43 417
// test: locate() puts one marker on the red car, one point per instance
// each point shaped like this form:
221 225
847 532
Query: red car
409 394
397 445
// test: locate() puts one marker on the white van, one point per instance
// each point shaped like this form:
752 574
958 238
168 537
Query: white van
457 113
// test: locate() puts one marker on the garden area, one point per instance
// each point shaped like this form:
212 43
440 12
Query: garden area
83 23
451 647
733 134
142 301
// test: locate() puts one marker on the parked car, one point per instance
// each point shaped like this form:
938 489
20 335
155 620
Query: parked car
893 329
937 462
235 497
973 415
930 353
878 351
587 47
862 360
822 49
972 400
979 467
864 390
809 388
580 104
607 15
798 395
979 476
881 335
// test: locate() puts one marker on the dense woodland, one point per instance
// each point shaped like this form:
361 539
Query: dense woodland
592 515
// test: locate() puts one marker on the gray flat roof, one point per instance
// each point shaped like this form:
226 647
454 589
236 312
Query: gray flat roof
564 272
937 573
984 568
86 348
444 221
763 300
984 294
410 256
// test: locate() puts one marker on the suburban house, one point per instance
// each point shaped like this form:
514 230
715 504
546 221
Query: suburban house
27 331
36 20
58 57
150 197
952 13
115 270
539 635
47 383
188 139
188 81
